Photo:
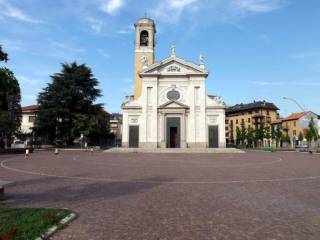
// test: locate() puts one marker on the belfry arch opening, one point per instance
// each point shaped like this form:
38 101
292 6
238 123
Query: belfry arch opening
144 38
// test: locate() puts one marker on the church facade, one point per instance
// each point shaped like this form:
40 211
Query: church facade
170 107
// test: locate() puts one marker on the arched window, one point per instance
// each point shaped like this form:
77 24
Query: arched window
144 38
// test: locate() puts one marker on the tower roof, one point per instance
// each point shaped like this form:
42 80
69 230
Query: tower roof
142 22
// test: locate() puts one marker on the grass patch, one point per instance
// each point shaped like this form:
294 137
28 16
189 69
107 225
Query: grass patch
28 223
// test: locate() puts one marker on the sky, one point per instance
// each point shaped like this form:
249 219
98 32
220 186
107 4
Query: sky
254 49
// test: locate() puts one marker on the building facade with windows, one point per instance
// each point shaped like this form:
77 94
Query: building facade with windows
252 115
28 117
170 107
116 125
298 123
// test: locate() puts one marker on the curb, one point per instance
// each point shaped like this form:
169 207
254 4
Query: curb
52 230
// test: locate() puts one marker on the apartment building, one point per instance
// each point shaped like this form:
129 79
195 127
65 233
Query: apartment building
251 115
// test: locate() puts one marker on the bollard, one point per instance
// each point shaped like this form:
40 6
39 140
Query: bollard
26 156
91 150
56 151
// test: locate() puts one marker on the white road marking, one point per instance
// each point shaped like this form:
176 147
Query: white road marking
157 182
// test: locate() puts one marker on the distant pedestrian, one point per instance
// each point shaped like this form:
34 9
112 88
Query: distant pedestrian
26 156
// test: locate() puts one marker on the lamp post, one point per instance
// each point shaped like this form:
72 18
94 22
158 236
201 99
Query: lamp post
296 102
303 110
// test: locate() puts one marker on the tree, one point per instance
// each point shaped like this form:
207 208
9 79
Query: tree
94 127
250 136
259 134
241 134
285 138
278 136
267 133
10 98
3 55
238 135
300 137
309 136
313 130
67 104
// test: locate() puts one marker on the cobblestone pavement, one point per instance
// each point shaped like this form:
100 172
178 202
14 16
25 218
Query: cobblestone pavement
172 196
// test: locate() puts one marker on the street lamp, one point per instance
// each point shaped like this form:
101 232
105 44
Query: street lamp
296 102
303 110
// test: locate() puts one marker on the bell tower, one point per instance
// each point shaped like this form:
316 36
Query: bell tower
144 50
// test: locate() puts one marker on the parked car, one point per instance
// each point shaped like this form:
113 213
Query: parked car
18 144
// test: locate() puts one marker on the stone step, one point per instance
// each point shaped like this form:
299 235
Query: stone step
173 150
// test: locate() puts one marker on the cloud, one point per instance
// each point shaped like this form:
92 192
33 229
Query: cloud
95 24
304 55
227 11
64 47
257 6
283 83
112 6
126 30
26 81
104 53
8 10
172 10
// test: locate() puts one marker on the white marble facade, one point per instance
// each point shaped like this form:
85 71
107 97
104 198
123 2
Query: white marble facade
174 109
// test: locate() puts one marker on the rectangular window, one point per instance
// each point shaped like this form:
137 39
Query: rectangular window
32 119
196 96
294 132
268 113
295 123
227 121
249 120
237 121
149 101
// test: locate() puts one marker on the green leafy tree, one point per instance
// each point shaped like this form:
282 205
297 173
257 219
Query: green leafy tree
300 137
67 104
250 136
267 133
309 136
238 135
3 55
259 134
241 134
313 130
285 138
278 136
10 108
94 127
273 132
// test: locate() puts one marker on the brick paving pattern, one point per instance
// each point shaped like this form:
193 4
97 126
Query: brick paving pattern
147 196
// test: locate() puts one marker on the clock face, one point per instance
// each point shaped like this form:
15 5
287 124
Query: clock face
143 59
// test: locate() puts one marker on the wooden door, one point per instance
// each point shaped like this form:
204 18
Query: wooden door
133 136
213 137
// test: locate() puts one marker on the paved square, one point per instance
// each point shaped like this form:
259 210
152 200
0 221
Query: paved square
172 196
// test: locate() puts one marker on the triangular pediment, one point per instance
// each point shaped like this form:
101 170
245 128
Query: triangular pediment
173 104
174 66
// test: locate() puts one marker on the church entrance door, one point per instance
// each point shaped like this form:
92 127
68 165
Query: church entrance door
173 132
213 137
133 136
